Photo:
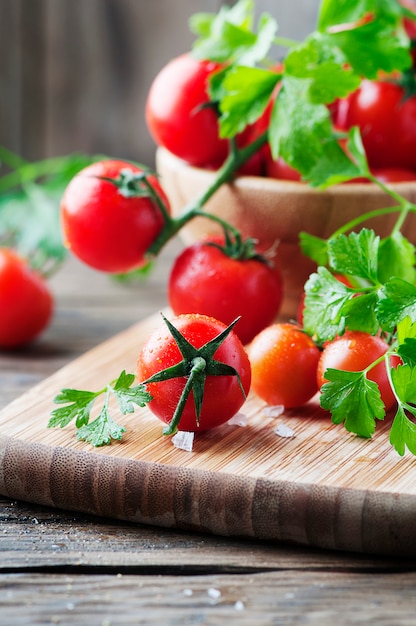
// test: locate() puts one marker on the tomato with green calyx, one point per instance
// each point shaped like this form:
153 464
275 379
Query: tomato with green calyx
197 372
179 114
26 303
112 211
225 280
284 363
354 351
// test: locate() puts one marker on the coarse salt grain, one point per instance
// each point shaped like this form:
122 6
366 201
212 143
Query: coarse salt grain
273 410
183 440
239 419
284 431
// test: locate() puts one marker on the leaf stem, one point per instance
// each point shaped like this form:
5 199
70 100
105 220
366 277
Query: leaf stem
195 208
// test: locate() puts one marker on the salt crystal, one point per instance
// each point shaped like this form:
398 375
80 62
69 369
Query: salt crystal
239 606
214 593
284 431
188 592
273 410
239 419
183 440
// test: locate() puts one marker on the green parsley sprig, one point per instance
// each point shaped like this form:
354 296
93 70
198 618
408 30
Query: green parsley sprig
103 429
29 206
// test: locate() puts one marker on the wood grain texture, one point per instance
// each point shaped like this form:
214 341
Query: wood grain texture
320 488
265 599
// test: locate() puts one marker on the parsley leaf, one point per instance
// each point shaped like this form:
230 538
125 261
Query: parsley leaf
324 301
228 36
244 93
368 32
355 254
397 302
352 399
403 433
104 428
396 258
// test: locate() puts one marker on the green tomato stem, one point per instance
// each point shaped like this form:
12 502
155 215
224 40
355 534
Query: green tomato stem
195 208
198 368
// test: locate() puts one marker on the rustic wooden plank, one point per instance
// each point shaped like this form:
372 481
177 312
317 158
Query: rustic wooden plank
264 599
34 537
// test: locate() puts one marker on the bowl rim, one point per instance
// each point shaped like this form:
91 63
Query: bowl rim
264 183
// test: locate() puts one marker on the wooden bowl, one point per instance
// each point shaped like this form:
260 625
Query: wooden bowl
276 211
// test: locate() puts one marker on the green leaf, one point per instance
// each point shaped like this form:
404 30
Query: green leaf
301 133
353 399
102 430
403 433
127 396
324 301
397 258
355 254
355 148
228 36
406 329
397 302
324 68
368 32
404 380
79 404
360 313
245 93
29 207
314 247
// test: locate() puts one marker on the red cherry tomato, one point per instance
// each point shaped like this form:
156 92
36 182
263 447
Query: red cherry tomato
26 304
104 227
177 114
353 352
205 280
278 168
284 362
394 175
387 121
223 396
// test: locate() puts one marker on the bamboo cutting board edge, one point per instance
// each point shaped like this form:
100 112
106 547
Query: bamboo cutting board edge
322 488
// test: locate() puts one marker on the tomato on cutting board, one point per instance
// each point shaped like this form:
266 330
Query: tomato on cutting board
223 393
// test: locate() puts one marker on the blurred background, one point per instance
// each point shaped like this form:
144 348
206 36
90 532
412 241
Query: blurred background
75 73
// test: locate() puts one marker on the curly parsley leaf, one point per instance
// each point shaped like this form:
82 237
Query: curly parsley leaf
353 399
104 428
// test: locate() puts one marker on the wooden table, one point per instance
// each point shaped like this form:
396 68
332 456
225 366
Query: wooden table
57 567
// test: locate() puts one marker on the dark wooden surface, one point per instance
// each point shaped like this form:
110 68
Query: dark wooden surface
57 567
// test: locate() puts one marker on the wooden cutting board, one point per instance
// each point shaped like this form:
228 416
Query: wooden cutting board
321 487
